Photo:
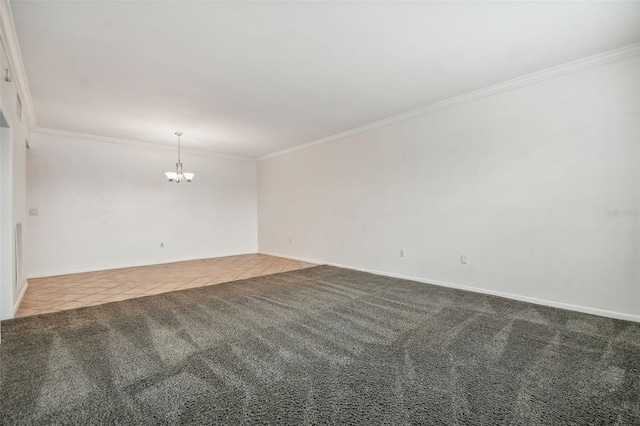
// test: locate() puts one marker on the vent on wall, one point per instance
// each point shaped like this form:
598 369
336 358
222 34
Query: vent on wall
18 277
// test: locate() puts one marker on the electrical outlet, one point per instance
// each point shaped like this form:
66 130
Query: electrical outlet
161 245
463 259
402 253
33 211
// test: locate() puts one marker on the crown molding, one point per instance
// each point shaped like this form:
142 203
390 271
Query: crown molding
533 78
9 38
147 145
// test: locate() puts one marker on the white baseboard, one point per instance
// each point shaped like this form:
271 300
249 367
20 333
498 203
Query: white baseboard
561 305
16 305
122 266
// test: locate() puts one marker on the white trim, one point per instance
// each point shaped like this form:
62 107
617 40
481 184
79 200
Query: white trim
9 38
7 239
16 305
64 133
533 78
128 265
534 300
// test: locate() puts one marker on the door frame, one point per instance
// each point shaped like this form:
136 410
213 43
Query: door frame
7 250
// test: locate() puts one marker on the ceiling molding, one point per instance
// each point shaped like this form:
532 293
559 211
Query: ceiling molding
9 38
146 145
536 77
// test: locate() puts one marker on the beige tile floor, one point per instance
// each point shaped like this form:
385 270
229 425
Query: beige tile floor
62 292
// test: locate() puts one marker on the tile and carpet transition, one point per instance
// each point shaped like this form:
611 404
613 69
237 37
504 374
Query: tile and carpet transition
62 292
322 345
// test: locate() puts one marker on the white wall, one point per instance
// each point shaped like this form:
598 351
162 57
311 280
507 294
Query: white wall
106 205
518 181
12 279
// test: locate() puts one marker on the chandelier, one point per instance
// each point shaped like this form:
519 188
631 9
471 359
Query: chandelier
178 175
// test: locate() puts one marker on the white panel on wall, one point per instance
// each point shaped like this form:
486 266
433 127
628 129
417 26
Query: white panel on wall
104 205
519 182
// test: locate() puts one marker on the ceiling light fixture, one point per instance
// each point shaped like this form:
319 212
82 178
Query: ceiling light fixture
178 175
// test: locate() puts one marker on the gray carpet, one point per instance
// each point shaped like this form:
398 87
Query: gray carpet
320 346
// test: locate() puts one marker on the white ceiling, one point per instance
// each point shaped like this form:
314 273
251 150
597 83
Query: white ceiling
253 78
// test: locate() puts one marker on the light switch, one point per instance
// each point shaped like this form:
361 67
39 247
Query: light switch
33 211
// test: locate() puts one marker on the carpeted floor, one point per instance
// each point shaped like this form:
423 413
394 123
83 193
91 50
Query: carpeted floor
319 346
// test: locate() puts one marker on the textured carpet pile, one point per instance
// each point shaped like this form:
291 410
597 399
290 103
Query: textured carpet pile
319 346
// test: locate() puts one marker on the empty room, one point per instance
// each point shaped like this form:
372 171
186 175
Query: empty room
319 212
